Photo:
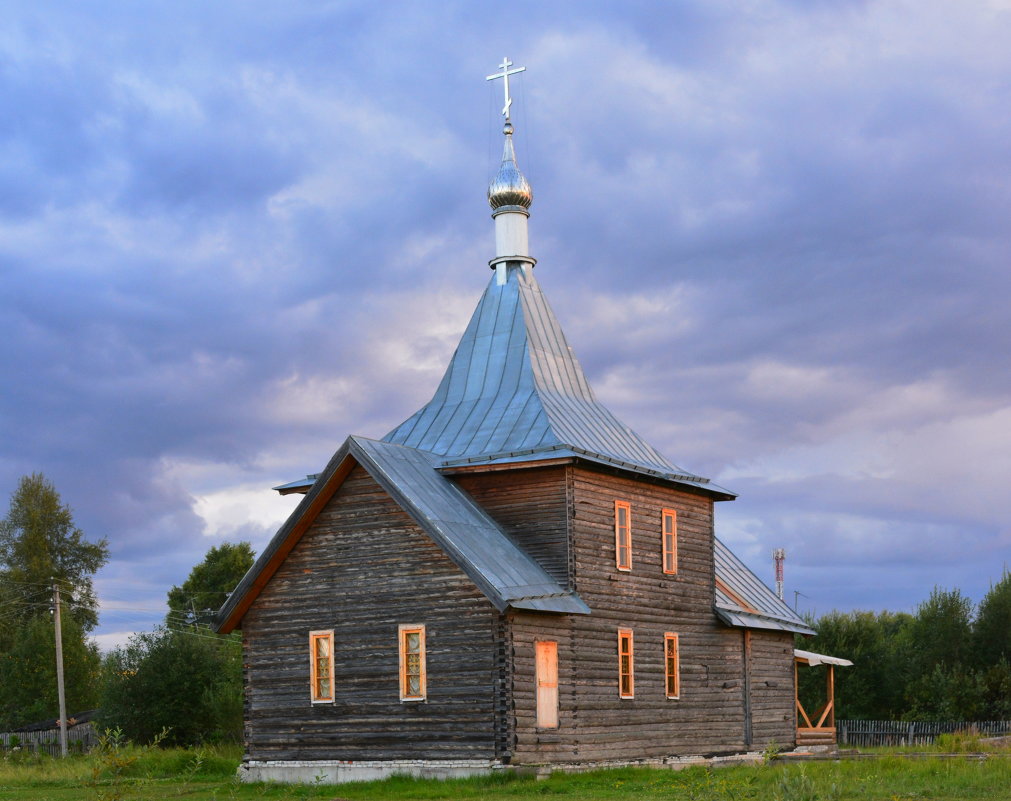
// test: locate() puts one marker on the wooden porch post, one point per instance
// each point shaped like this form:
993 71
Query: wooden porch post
830 693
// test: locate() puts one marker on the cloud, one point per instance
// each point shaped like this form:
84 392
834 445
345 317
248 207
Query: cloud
774 235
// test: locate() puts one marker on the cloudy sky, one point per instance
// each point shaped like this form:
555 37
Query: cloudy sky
776 234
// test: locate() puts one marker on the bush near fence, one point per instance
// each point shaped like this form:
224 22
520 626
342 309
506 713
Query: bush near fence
899 732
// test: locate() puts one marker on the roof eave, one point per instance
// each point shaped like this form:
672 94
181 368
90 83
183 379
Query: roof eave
570 604
565 454
748 620
337 469
542 595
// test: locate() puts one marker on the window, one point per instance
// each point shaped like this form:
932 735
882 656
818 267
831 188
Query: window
321 666
671 665
413 680
623 535
546 669
626 679
669 531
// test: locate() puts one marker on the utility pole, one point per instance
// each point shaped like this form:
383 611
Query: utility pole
797 594
59 669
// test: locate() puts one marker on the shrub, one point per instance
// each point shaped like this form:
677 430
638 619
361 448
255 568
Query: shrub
172 679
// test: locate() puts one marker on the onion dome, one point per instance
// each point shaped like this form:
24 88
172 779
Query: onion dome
509 187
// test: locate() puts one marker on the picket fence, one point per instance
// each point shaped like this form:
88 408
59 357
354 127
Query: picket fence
899 732
80 738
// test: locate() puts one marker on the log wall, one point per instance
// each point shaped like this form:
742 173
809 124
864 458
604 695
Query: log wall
773 708
711 714
708 716
530 505
363 568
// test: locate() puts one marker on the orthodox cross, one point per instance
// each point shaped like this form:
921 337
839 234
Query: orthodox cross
506 72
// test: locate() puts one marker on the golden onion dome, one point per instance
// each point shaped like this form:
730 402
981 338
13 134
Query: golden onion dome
509 187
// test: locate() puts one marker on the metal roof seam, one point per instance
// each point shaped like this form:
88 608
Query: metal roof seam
515 385
417 474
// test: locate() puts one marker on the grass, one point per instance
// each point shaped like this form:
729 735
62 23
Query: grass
209 775
961 742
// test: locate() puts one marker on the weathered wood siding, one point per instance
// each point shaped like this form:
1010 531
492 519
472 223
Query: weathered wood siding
530 505
363 568
594 722
531 744
773 712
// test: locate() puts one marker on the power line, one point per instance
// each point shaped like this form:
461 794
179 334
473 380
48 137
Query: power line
48 586
190 633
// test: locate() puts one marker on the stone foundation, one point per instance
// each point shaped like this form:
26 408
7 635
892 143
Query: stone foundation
339 772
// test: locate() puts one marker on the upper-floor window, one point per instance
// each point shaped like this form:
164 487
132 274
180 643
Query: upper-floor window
623 535
669 531
413 678
626 666
671 664
321 666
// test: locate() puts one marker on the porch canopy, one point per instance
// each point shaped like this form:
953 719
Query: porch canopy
822 730
812 659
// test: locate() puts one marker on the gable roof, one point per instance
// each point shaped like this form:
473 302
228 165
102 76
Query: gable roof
514 391
744 601
504 573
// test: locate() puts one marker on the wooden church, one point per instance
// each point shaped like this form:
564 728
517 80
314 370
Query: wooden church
512 576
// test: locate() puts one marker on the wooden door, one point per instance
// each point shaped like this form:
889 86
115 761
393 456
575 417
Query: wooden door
547 684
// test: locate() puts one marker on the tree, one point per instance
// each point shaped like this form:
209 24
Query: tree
183 677
188 682
941 632
873 688
992 632
28 673
209 583
40 546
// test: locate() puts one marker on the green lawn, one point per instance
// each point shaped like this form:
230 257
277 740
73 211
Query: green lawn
209 775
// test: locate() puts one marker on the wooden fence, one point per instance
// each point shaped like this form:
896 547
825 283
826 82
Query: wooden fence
80 738
898 732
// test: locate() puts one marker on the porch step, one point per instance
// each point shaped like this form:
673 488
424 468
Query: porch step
824 736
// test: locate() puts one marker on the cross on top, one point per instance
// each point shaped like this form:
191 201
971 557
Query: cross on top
504 75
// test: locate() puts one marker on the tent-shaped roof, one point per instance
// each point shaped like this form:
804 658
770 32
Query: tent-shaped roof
514 391
503 571
742 599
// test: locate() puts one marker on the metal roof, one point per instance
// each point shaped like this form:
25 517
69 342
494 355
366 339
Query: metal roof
299 485
502 570
514 391
764 608
813 659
